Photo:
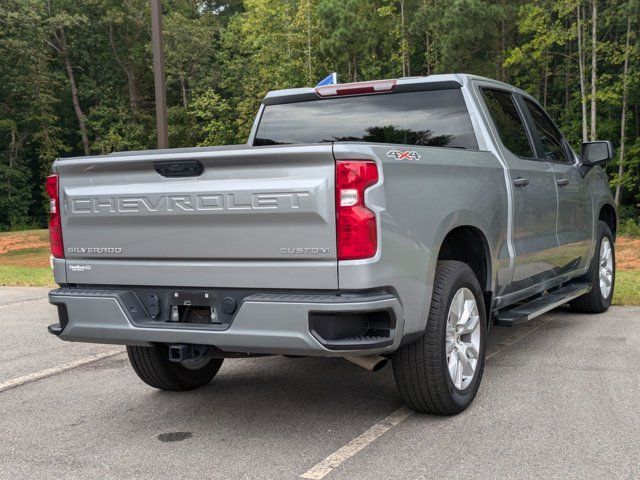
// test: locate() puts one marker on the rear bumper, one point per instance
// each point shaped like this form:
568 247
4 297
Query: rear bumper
266 323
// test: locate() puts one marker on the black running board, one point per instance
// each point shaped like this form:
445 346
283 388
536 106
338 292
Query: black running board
539 305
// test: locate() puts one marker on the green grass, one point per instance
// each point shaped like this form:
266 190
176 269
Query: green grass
27 252
26 276
627 290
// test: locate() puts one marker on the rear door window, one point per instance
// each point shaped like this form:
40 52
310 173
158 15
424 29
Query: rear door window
508 121
437 118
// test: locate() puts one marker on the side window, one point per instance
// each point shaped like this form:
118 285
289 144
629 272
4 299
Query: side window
508 122
550 136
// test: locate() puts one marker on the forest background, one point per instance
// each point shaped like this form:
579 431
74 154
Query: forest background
76 77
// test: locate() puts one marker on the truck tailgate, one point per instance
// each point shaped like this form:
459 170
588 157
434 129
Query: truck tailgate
254 217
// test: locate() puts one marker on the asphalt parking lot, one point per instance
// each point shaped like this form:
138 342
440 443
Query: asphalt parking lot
560 399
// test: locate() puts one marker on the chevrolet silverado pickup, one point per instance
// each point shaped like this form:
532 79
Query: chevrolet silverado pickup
386 220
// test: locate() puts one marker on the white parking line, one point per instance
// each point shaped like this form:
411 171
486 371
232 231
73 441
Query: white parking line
322 469
354 446
32 377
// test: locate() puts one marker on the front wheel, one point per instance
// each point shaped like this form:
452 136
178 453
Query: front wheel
154 368
440 373
601 274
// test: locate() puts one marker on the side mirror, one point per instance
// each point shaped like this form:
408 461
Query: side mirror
596 153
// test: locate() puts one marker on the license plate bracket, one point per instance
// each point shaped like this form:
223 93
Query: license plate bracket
193 307
193 298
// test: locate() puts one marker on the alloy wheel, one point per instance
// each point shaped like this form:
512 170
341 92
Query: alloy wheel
606 267
462 338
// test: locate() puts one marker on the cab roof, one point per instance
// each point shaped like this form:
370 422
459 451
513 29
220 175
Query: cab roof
430 82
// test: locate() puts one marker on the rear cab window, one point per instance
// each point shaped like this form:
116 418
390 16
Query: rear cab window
437 118
508 121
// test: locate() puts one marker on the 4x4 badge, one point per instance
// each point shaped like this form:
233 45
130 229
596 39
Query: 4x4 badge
404 155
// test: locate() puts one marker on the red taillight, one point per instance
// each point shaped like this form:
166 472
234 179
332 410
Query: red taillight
55 225
358 88
355 223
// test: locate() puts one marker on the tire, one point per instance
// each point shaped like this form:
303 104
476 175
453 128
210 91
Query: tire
421 369
153 367
598 300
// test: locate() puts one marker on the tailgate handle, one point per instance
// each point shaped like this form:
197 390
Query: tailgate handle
184 168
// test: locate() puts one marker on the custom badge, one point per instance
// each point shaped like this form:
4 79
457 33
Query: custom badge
404 155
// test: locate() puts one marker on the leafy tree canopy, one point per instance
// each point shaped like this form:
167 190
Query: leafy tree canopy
76 76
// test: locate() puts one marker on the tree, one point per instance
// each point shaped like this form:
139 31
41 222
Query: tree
581 63
58 23
190 44
623 114
594 65
125 27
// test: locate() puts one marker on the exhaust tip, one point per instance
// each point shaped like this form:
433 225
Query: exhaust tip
373 363
380 364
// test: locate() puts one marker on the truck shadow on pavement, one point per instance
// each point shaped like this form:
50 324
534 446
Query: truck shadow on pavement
295 387
277 397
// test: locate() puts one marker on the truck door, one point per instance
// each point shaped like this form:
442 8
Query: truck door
574 228
534 210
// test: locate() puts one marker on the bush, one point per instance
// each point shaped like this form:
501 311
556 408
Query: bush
629 228
627 211
15 198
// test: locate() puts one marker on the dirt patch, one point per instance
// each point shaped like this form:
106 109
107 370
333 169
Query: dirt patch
30 257
30 239
25 249
628 253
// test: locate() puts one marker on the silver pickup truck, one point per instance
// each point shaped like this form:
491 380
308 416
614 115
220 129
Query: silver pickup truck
393 219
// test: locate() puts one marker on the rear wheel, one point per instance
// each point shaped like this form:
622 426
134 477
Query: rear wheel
153 367
602 275
440 373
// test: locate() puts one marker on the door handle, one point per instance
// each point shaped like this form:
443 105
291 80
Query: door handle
521 182
179 168
563 182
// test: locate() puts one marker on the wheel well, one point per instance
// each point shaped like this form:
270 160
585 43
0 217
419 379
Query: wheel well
608 216
468 245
